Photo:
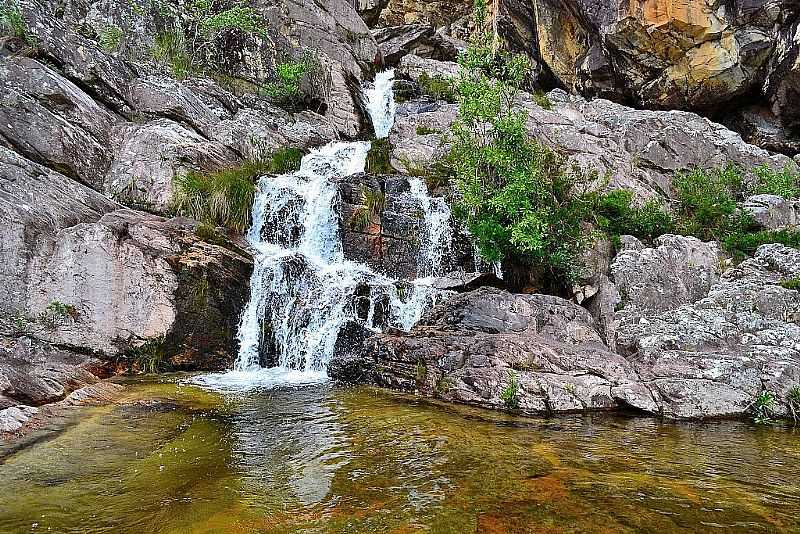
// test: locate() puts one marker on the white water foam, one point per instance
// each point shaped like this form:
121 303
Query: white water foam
303 292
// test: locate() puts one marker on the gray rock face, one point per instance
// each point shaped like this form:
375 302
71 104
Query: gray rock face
677 270
420 40
123 277
468 349
773 212
713 357
639 150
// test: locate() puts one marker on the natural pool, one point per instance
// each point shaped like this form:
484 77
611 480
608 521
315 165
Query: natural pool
175 458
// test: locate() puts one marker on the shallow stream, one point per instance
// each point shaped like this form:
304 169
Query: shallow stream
174 458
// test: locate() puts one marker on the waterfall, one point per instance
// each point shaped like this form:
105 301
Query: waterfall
303 291
380 103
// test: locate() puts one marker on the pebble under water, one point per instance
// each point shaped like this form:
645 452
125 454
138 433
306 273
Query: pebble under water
174 458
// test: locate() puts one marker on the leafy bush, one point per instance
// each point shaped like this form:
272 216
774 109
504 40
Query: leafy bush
437 87
149 356
743 242
244 19
110 38
286 89
763 408
510 394
616 215
427 130
785 183
379 157
57 313
12 23
707 202
542 100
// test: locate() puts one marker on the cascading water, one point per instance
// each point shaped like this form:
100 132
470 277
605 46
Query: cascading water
303 290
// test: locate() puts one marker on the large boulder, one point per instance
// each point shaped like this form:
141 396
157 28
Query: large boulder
494 349
81 271
713 357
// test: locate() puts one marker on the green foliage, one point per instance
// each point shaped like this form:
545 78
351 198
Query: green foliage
244 19
792 283
57 313
170 49
785 183
12 23
743 241
793 402
763 408
542 100
437 87
421 371
284 160
427 130
616 214
510 394
110 38
707 202
209 234
371 208
286 88
149 356
219 198
379 157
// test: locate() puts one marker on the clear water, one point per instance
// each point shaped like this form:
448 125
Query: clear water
178 459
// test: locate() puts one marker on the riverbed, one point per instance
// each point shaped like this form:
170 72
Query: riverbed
171 457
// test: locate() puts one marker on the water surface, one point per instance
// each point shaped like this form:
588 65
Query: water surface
173 458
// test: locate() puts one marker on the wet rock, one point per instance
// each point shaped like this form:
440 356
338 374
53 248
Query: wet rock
413 66
12 419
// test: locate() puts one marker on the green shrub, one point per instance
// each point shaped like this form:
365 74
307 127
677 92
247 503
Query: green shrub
284 160
12 23
743 242
244 19
286 88
437 87
370 210
542 100
707 202
763 408
379 157
170 49
56 313
110 38
785 183
510 393
149 357
616 214
219 198
792 283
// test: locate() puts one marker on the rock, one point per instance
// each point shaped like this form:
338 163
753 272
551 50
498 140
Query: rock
12 419
678 270
51 121
461 281
772 211
413 66
638 150
441 13
161 96
714 356
122 277
152 155
782 84
467 349
420 40
759 126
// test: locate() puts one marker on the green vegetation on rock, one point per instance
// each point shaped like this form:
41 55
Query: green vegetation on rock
285 89
372 204
510 393
12 23
110 38
784 183
379 157
437 87
763 408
